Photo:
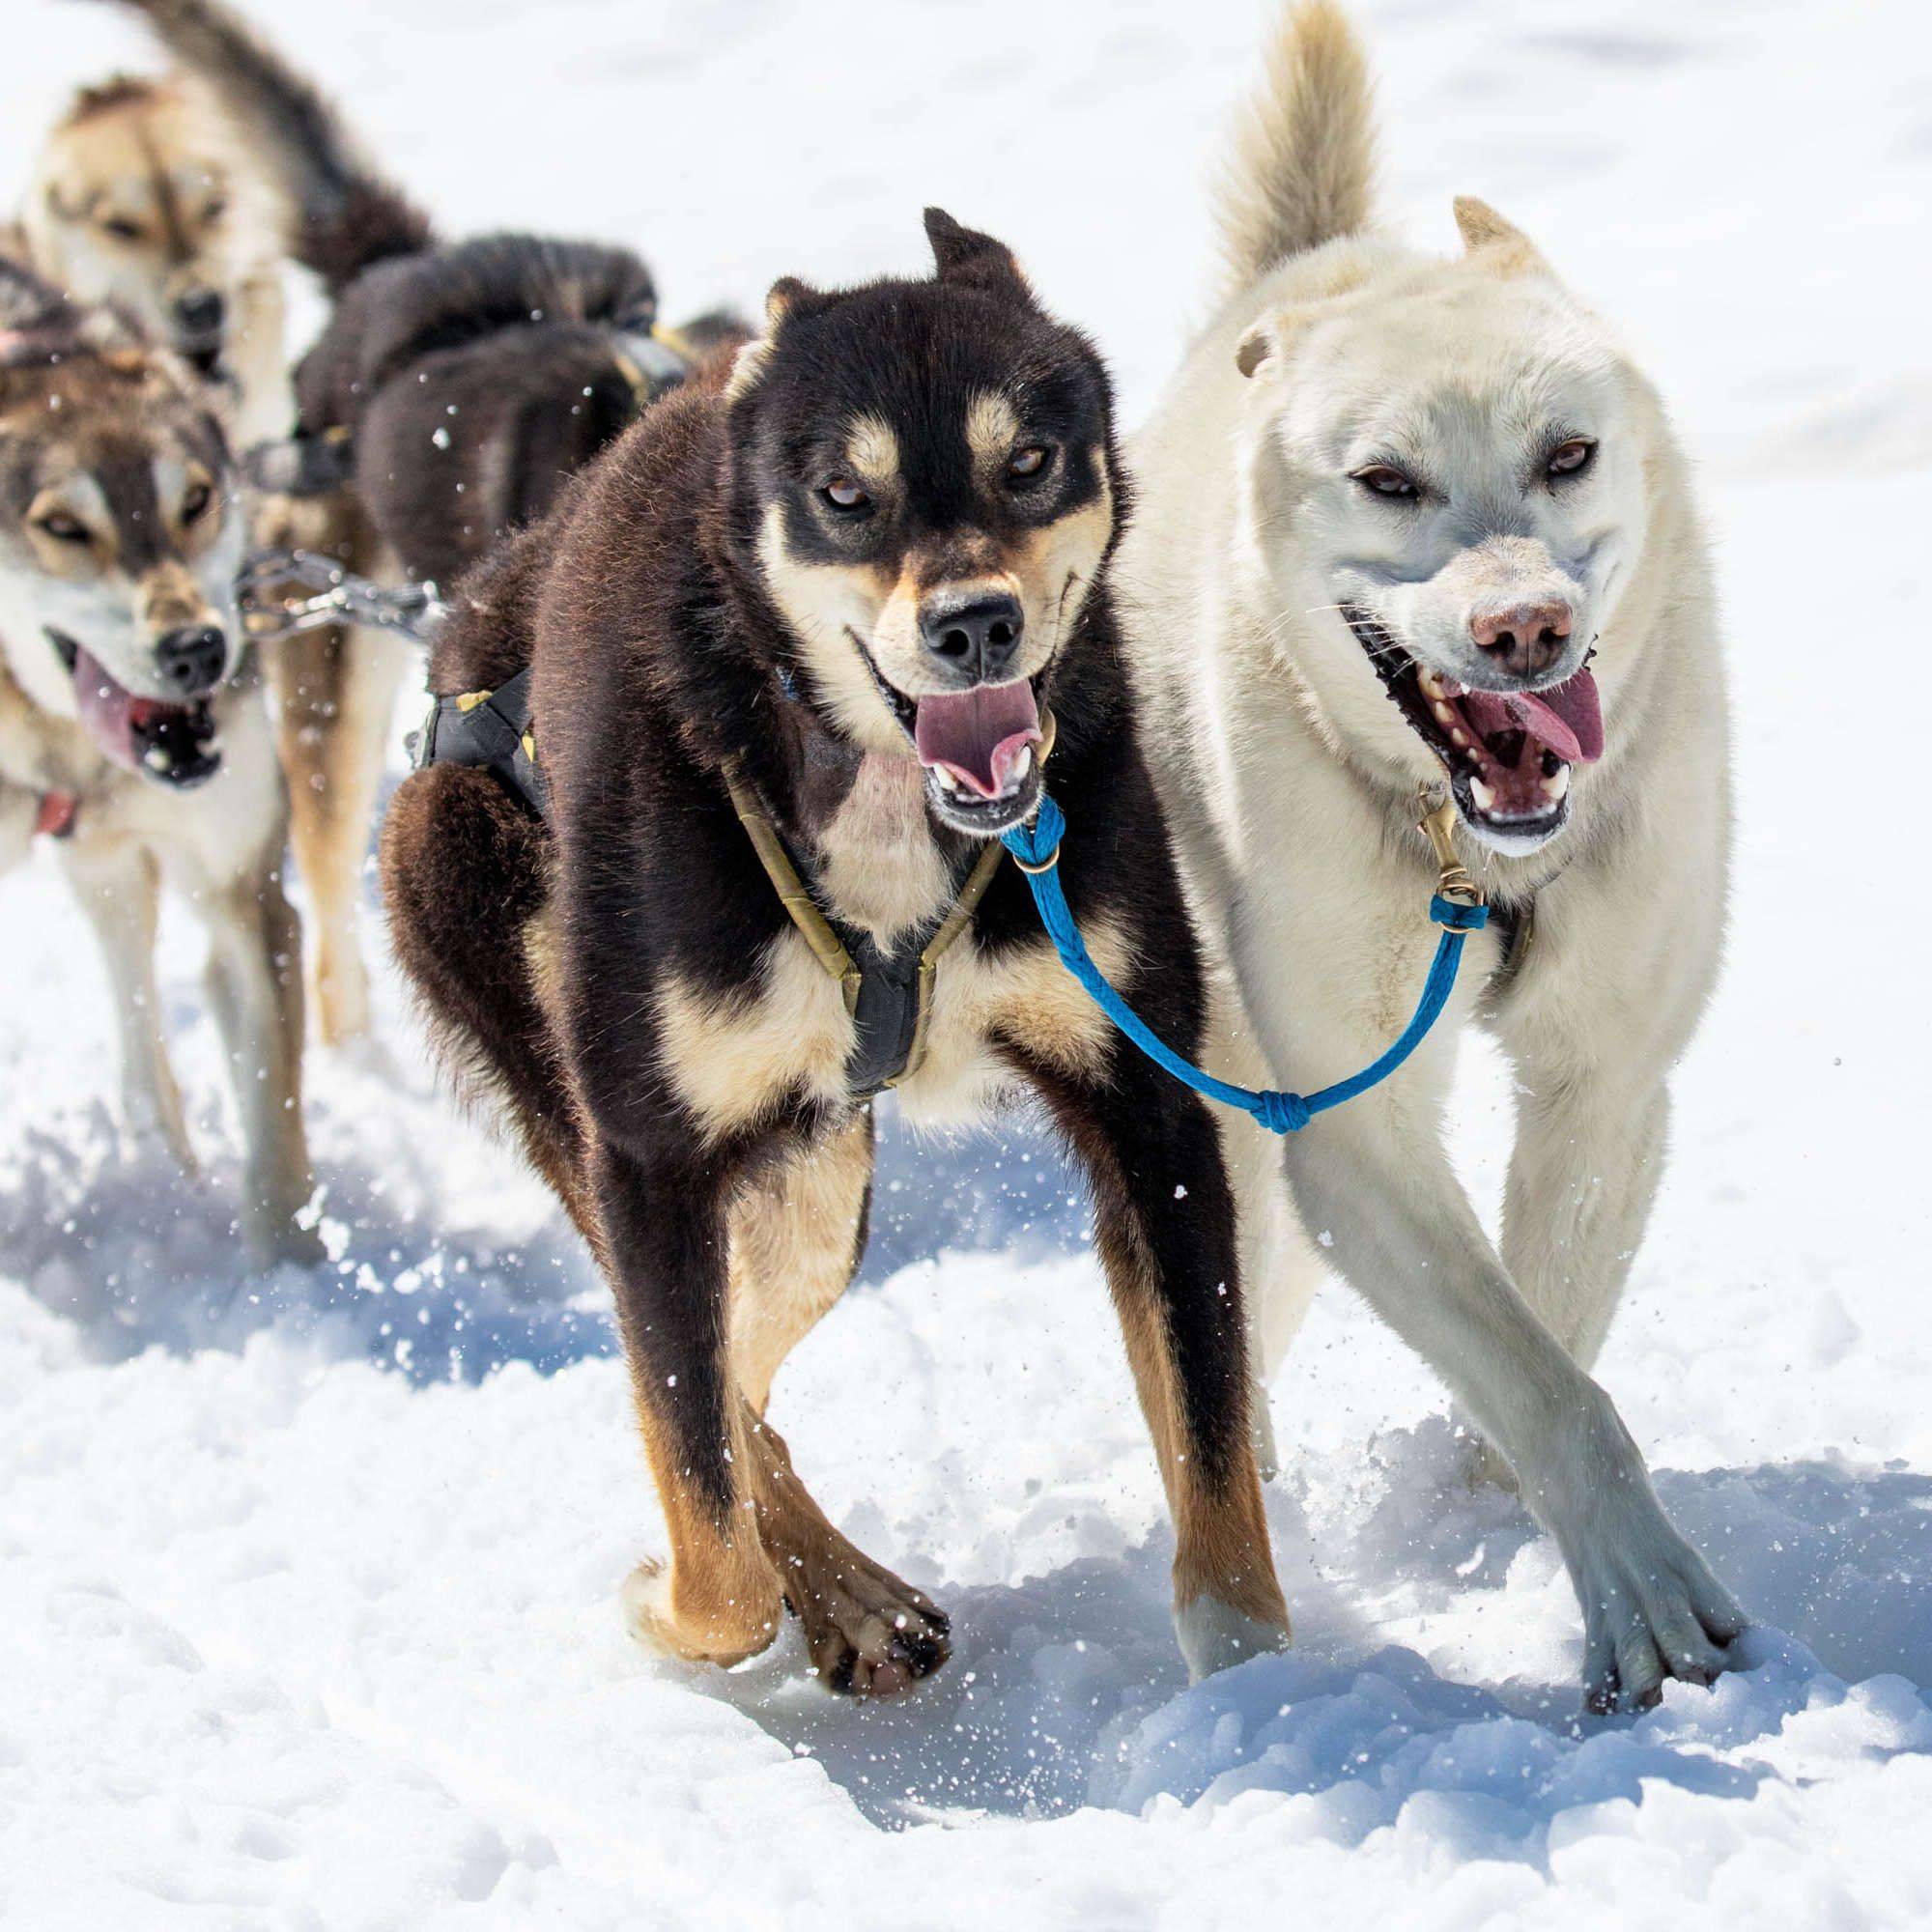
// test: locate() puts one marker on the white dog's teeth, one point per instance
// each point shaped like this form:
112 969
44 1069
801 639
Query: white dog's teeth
1432 685
947 782
1458 739
1443 715
1554 789
158 758
1484 796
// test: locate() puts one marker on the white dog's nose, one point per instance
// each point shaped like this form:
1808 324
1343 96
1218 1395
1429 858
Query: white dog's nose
1527 638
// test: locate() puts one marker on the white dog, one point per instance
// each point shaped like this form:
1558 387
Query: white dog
1404 523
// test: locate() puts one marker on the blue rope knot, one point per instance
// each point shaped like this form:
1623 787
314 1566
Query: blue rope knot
1037 846
1454 917
1282 1113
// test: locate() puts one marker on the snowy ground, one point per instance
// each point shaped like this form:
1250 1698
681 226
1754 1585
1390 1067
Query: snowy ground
309 1580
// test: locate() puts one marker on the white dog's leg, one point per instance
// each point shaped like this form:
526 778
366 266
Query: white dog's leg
119 887
1374 1173
1280 1270
254 989
1582 1181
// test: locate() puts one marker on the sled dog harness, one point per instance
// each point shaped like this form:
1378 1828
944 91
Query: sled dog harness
888 995
1456 906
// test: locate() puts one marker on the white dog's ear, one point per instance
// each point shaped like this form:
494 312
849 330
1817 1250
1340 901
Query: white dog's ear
1503 246
1263 347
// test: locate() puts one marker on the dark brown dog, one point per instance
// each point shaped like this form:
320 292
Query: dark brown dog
845 587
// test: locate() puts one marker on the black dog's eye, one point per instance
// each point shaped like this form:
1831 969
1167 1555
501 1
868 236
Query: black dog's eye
195 503
63 529
1380 479
842 493
1573 458
122 229
1031 463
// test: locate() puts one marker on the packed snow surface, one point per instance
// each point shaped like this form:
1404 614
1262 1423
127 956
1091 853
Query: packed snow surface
309 1580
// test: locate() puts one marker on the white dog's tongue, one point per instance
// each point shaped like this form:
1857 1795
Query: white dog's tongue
1568 718
108 711
978 734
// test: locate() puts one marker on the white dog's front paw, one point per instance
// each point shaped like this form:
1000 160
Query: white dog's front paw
1214 1636
1651 1610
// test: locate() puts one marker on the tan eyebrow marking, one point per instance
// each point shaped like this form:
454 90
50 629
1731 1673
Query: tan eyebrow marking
992 428
872 449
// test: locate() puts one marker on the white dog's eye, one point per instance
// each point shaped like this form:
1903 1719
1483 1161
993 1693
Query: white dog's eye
1572 457
842 493
195 503
1381 480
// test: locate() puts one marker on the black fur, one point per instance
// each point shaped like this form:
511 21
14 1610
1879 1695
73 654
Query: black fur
659 655
471 381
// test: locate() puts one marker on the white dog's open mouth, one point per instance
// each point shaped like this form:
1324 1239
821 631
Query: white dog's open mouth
1509 753
173 744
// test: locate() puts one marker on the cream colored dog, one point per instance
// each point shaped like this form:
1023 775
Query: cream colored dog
1413 524
148 195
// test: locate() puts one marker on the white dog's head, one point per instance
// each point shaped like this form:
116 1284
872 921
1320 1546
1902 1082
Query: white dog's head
1448 476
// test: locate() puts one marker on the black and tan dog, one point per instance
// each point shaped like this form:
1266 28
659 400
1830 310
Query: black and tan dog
812 631
454 388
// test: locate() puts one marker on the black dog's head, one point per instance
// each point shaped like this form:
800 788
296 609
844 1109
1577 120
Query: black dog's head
924 485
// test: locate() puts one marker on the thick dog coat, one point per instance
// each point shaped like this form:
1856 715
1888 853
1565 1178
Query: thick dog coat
861 584
1412 523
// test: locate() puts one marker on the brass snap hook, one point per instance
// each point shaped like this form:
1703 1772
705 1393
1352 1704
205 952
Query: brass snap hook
1437 825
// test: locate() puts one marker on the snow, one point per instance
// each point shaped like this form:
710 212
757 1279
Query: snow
310 1580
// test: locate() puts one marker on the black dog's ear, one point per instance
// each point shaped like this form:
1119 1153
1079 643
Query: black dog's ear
965 255
787 298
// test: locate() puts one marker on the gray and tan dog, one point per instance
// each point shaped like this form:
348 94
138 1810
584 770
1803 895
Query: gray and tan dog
1407 523
132 732
152 192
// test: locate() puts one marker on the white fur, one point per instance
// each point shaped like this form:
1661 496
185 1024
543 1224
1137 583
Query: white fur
1291 781
1214 1636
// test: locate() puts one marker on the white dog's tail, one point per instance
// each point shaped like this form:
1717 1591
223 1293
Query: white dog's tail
1302 167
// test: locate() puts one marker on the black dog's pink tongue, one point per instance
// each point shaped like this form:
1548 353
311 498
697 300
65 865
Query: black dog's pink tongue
978 735
107 711
1568 718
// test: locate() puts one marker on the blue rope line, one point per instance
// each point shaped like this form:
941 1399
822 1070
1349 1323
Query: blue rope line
1037 846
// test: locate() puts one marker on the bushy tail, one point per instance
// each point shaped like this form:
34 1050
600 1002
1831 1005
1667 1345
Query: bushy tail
1302 166
347 215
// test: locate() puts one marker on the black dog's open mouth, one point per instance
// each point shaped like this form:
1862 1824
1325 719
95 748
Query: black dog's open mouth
979 747
1509 755
172 743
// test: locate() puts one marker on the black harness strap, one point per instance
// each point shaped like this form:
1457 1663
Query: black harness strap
888 995
490 729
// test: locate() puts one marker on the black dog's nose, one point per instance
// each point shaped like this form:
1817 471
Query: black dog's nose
979 639
200 311
192 659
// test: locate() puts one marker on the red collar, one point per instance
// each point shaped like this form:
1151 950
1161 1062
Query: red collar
57 813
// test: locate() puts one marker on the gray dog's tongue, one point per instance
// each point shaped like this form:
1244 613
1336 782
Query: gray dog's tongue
978 734
107 711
